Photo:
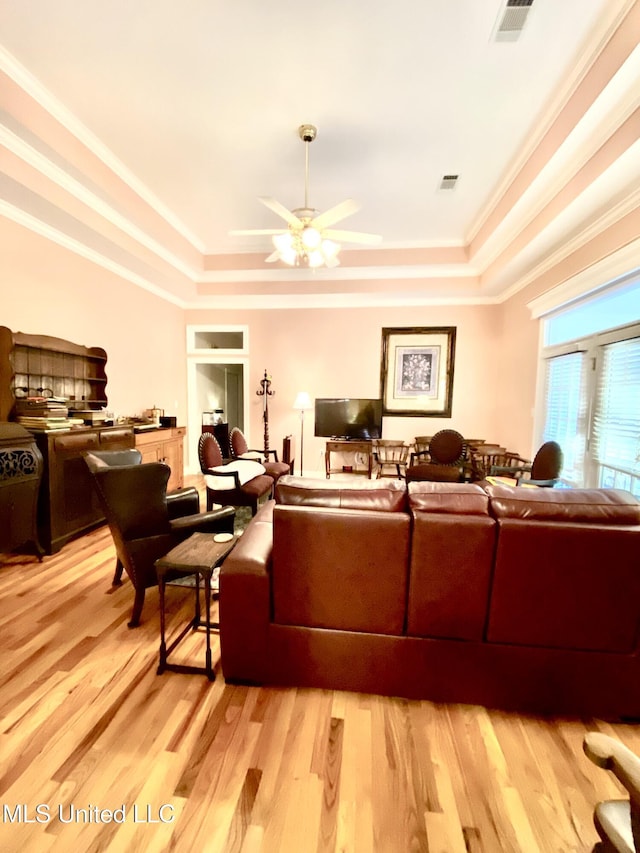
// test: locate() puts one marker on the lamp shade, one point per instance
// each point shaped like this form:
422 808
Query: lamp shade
303 401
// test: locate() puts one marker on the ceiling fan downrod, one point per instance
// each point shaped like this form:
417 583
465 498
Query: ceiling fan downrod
307 133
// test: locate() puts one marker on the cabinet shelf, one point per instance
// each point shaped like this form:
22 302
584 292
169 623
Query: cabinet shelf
31 365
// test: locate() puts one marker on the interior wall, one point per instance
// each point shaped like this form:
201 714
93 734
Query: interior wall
46 289
337 352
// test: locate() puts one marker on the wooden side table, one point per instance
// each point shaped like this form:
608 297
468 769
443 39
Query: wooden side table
344 446
198 555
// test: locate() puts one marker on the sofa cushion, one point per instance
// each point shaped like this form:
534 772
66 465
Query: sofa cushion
452 549
459 498
382 496
586 506
341 569
567 570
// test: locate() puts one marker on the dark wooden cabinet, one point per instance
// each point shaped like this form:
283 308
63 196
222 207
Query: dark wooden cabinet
20 476
68 505
41 365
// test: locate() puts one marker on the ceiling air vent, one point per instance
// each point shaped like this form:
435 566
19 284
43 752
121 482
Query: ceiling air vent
512 21
448 182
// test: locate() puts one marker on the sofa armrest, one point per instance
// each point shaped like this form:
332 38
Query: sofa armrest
245 605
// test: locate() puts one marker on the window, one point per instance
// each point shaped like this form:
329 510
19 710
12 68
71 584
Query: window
566 412
592 389
616 422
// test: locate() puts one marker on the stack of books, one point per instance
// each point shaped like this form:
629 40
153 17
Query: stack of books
44 414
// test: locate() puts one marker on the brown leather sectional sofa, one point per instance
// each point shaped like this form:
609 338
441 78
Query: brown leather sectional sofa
475 593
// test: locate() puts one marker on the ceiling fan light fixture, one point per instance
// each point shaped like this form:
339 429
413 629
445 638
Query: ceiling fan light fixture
330 249
315 259
290 257
303 243
311 237
283 242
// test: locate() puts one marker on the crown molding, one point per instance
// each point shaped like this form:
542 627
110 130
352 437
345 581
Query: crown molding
303 274
57 175
34 88
20 217
597 42
620 264
253 302
613 215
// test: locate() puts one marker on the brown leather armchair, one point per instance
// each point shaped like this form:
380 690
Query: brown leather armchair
134 501
238 493
240 448
184 501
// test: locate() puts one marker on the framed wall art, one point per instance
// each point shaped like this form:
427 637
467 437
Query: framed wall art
416 373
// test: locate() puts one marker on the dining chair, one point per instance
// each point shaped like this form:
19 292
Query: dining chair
445 461
544 470
388 453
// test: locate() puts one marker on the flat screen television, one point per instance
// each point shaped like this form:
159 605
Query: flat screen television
348 417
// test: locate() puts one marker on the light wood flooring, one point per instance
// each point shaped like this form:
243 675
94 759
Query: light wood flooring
86 725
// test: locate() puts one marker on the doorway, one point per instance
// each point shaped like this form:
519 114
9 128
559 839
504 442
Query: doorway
217 371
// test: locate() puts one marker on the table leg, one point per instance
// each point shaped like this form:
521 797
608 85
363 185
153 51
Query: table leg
207 609
163 645
196 617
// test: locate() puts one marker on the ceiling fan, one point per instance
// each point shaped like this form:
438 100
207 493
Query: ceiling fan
308 240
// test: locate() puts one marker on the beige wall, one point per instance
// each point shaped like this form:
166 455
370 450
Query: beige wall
45 289
334 353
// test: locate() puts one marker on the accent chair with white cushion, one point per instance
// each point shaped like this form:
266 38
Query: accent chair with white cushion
241 450
241 482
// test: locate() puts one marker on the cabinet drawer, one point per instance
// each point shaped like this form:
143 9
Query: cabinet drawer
86 441
117 436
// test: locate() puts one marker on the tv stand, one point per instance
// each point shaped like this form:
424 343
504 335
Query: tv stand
348 445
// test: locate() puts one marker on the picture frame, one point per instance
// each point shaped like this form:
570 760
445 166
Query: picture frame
416 371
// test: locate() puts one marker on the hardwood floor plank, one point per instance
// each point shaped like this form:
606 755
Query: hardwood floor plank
87 725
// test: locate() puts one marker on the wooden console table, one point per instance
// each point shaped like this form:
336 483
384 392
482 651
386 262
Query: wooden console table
344 446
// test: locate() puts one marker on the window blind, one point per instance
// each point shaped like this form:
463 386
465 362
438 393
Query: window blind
616 424
566 412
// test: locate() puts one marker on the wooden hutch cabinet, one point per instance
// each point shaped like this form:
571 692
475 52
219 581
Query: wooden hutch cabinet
41 365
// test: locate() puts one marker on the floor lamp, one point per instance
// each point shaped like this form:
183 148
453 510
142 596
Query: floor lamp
302 404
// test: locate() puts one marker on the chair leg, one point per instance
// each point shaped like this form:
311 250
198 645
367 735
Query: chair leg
117 575
137 608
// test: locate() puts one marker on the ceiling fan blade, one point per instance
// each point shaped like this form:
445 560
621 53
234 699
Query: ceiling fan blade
274 256
334 214
252 231
281 210
352 236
